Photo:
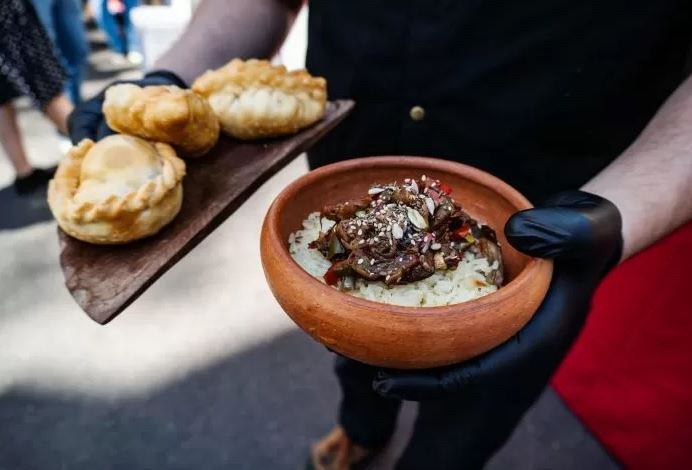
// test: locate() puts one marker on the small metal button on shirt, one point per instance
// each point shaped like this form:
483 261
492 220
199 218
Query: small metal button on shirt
417 113
502 107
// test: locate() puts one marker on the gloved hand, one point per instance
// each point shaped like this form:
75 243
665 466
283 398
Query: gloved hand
582 233
86 120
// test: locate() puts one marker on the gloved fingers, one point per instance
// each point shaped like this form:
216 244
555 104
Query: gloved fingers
550 232
82 127
415 386
421 385
163 77
531 354
84 121
571 225
87 122
573 199
103 131
577 226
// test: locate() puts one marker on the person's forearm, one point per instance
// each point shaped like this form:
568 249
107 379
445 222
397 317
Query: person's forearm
223 29
651 182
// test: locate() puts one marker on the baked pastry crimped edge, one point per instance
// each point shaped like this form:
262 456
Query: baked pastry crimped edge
163 114
256 99
117 219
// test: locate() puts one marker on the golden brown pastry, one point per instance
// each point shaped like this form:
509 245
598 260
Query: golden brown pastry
255 99
117 190
163 114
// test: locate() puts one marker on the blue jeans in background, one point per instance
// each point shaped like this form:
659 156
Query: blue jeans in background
123 44
62 20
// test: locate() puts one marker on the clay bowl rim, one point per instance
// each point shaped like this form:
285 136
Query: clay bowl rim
499 297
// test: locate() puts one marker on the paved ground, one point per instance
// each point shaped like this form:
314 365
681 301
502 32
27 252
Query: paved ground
203 372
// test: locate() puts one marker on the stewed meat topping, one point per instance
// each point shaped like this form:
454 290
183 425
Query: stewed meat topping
400 233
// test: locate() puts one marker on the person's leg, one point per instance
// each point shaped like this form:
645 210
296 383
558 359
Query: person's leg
72 42
366 420
133 41
108 25
11 140
57 110
460 433
28 179
367 417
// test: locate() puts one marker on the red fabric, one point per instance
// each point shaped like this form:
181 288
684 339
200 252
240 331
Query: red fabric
629 376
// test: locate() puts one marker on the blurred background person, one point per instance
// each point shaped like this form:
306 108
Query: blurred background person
113 17
28 66
62 20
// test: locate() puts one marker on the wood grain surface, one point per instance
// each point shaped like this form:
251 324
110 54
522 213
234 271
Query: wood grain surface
104 279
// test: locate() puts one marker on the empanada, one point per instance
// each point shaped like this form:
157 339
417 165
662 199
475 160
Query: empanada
120 189
163 114
255 99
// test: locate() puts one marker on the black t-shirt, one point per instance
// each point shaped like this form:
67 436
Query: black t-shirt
543 94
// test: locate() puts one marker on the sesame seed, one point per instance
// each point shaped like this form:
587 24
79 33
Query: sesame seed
360 232
360 261
372 260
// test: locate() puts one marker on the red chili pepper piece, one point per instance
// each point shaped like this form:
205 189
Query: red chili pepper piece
445 188
461 232
331 277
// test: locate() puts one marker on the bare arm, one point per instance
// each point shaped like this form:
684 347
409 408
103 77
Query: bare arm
223 29
651 182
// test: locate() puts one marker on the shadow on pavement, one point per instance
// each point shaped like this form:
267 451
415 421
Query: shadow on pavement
20 211
259 409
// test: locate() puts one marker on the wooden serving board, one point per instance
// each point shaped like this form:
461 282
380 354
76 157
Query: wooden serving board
105 279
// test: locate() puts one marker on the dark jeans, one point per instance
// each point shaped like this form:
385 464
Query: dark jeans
459 433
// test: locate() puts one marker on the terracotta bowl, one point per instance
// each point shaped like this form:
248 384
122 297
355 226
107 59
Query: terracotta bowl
393 336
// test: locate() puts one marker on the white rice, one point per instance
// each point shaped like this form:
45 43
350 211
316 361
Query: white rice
452 286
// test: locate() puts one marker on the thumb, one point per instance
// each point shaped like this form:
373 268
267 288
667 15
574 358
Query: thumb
550 232
431 383
103 131
408 386
570 225
84 120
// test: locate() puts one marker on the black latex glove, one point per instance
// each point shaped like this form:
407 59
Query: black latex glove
582 233
86 120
